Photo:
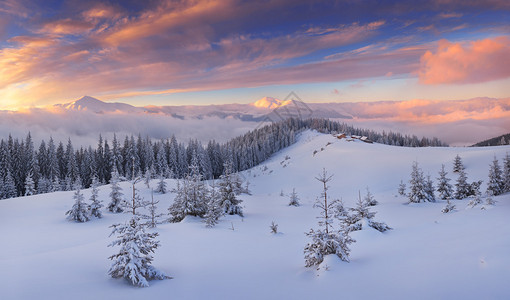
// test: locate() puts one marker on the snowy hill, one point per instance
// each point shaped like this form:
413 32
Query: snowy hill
427 255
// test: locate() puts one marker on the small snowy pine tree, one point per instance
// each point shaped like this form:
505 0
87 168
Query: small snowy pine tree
325 240
449 207
475 201
458 166
362 215
444 188
117 202
293 198
153 218
133 261
80 211
96 205
161 185
369 199
402 188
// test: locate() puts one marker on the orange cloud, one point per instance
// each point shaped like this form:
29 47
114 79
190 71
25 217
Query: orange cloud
469 62
66 26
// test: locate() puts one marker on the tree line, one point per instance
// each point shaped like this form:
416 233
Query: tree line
56 166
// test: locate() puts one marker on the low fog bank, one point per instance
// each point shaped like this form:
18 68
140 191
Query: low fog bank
84 127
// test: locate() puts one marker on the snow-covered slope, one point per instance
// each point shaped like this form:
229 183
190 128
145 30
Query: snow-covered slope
427 255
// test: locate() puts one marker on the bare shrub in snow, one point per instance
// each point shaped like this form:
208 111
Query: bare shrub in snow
274 227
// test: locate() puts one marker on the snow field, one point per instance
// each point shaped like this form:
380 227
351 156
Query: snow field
427 255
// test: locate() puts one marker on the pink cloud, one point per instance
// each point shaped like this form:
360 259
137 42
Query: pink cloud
468 62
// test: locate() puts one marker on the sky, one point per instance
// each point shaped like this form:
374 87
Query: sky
226 51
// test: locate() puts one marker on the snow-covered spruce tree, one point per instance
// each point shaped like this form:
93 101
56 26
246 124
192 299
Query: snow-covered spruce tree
229 201
293 198
133 261
153 218
96 205
369 199
457 164
429 190
116 204
402 188
214 208
444 188
326 240
80 210
417 193
361 214
449 207
462 188
506 173
496 185
161 188
191 196
29 185
9 187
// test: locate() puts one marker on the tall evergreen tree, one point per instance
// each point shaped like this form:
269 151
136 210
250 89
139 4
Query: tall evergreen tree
496 185
214 208
462 188
417 183
9 187
429 189
506 173
229 200
96 205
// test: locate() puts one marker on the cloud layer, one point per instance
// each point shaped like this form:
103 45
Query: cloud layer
468 62
117 49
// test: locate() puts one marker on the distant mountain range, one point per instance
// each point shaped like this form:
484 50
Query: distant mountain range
428 111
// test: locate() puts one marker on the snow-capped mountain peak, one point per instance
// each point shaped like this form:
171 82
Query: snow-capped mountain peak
270 103
87 103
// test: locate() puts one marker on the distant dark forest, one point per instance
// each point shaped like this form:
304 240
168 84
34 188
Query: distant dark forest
58 166
497 141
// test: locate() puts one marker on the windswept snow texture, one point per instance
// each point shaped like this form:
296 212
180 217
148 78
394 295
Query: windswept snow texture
427 255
